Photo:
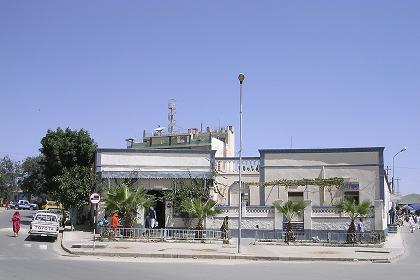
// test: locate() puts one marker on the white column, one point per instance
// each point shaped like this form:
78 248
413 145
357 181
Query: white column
378 210
278 217
140 217
307 215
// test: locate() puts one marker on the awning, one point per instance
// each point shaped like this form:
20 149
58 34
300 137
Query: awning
156 174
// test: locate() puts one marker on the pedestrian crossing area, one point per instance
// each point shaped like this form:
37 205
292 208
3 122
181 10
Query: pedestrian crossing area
18 245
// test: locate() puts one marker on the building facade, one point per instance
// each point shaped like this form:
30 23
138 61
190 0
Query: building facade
161 162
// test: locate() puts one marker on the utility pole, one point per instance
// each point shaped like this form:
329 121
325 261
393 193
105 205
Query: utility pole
387 169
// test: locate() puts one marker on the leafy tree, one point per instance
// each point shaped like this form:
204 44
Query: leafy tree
200 209
62 150
183 193
33 179
290 210
353 210
75 185
126 202
10 174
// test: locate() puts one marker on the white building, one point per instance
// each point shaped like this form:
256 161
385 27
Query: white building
161 162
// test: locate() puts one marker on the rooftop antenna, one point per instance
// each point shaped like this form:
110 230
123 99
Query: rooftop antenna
171 116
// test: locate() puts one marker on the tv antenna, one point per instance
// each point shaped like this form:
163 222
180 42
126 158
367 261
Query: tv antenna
171 116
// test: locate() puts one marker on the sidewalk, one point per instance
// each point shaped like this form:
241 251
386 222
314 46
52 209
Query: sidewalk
81 243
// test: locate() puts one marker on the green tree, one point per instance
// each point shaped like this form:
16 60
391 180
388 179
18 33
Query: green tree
200 210
290 210
75 185
354 211
126 202
33 179
185 192
10 175
62 150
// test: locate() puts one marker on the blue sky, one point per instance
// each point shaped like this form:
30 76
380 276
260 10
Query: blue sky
328 73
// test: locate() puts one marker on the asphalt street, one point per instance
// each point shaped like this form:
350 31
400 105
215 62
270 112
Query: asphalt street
21 258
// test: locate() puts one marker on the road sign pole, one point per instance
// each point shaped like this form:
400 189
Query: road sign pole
94 198
94 224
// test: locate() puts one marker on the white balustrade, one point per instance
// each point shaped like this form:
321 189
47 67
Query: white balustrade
231 165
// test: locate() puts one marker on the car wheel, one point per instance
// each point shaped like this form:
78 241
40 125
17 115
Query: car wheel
31 208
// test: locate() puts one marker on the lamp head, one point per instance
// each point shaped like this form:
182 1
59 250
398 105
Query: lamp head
241 77
404 149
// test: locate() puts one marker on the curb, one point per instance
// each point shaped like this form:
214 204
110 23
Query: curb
228 257
401 253
220 257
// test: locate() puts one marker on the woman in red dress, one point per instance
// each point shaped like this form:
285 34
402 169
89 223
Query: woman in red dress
16 223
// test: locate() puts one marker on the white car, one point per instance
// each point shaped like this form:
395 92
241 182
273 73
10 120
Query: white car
59 212
44 224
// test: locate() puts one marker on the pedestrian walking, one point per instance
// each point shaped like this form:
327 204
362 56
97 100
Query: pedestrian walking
152 218
411 223
16 223
114 223
360 229
418 221
224 229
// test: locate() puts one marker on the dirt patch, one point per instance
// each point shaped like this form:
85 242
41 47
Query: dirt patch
121 247
325 253
204 250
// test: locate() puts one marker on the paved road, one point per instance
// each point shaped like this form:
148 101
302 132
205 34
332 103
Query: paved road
40 260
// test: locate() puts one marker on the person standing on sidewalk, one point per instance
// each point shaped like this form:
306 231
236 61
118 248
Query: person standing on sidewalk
152 217
16 223
360 229
114 223
224 229
392 216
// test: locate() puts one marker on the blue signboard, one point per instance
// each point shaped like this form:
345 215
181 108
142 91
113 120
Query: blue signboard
351 186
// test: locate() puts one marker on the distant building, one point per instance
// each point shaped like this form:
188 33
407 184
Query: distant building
222 140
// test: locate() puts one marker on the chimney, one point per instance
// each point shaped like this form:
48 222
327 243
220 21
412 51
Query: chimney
130 142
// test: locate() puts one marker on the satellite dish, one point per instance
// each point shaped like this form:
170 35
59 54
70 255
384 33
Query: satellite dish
158 129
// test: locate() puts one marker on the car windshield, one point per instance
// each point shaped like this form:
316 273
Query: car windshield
46 218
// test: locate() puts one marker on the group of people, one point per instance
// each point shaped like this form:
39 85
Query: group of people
399 218
151 221
412 220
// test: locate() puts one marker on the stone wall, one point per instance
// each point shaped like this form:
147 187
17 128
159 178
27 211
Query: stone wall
338 223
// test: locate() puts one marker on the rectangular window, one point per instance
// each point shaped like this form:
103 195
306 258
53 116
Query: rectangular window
352 195
296 196
351 191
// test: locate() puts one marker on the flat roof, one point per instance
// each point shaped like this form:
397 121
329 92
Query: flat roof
168 151
323 150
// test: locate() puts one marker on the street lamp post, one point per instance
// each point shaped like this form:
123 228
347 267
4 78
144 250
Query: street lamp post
393 168
241 78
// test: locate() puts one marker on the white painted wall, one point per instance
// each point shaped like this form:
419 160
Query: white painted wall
322 165
146 161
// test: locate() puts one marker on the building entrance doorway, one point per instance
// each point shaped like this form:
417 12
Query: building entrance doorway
159 208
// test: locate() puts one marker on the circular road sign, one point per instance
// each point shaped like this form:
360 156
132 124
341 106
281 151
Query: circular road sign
94 198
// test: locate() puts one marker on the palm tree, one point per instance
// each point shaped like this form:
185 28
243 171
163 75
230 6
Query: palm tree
126 202
290 210
353 210
200 209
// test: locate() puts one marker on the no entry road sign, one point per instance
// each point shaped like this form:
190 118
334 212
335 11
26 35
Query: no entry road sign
94 198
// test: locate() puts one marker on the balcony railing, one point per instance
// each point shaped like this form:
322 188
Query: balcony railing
250 165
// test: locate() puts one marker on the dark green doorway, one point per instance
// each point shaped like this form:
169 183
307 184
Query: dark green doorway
159 207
